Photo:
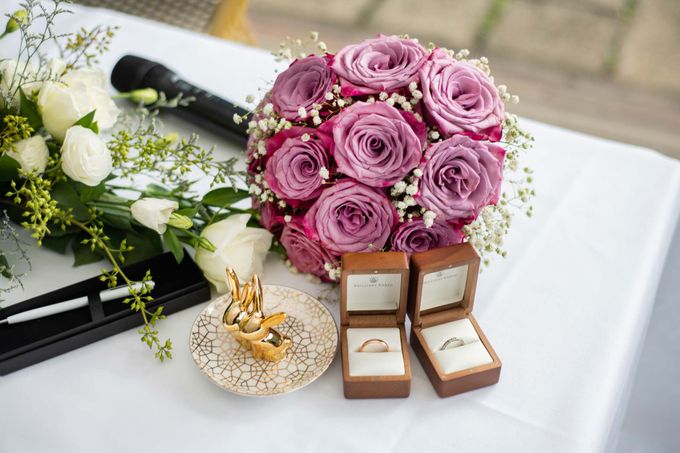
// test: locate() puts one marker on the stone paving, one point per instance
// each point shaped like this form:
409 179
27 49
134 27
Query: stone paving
606 67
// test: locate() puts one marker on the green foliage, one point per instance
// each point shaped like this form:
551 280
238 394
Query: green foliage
9 168
173 244
29 110
88 122
224 196
14 129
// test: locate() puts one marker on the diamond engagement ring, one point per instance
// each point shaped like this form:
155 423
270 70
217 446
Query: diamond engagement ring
374 341
453 342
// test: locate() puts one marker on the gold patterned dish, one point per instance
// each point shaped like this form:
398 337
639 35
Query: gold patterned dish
231 366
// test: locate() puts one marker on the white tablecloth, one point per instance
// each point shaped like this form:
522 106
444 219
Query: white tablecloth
566 313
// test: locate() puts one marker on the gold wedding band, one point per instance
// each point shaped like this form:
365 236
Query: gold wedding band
374 341
457 342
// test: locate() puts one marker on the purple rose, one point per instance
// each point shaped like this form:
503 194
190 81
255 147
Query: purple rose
306 255
304 83
351 217
460 177
385 63
270 217
459 98
376 143
294 164
414 236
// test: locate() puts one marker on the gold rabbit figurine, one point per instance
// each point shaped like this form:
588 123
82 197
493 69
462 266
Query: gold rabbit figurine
238 308
245 319
266 342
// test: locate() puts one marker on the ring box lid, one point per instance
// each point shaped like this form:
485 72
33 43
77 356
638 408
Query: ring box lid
374 289
443 284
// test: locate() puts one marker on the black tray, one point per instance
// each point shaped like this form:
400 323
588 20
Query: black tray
178 286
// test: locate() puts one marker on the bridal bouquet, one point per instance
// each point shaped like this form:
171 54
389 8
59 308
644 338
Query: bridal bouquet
386 145
81 175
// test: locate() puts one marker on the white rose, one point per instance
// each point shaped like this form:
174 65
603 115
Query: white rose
241 247
153 213
78 93
10 77
85 157
31 153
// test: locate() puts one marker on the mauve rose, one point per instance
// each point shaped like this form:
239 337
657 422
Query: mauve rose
270 217
351 217
459 98
306 255
376 143
414 236
460 177
305 82
293 169
385 63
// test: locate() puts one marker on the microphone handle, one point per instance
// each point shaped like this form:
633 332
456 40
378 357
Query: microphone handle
207 110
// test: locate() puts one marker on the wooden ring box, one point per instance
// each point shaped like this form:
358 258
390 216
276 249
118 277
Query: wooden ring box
374 294
453 270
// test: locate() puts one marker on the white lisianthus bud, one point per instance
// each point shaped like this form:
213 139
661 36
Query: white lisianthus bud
78 93
144 96
236 245
31 153
153 213
180 221
85 157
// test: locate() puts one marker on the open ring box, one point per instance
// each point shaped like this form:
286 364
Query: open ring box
443 285
374 293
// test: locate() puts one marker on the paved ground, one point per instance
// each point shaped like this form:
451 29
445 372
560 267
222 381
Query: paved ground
605 67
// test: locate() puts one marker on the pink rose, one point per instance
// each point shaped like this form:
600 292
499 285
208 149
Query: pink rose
306 255
414 236
385 63
376 143
351 217
270 217
304 83
460 177
459 98
294 165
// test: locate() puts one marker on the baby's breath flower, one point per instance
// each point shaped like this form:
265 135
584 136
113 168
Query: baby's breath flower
428 218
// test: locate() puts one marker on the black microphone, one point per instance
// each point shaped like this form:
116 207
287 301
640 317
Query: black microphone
207 110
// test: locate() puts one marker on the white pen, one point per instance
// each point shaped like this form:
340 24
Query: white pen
60 307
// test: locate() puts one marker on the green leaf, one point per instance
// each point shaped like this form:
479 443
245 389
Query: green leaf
88 193
189 212
146 245
173 244
88 122
82 254
28 109
57 244
118 221
5 267
68 198
224 196
156 190
9 168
